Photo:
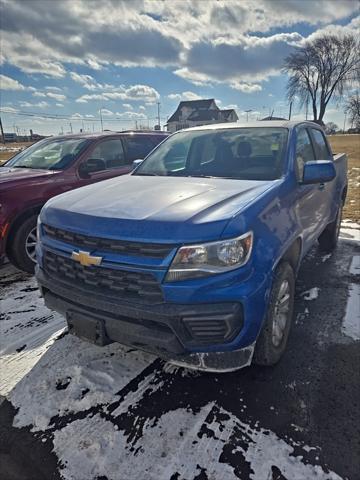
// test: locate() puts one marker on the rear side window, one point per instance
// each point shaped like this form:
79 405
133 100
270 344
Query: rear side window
321 148
111 152
304 150
138 147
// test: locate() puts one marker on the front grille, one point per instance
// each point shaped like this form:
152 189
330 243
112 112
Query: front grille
131 286
124 247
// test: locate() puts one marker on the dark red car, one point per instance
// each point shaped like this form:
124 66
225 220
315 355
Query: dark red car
53 166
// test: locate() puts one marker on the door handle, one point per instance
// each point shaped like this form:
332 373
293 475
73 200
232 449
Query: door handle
321 186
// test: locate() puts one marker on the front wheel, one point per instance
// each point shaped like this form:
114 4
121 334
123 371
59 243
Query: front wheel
272 340
22 248
329 238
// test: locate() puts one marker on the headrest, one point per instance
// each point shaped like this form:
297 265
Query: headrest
244 149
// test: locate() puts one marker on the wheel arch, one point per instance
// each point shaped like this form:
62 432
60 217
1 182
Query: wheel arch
292 255
25 214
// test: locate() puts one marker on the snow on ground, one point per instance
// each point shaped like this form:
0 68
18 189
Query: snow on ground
75 376
311 294
201 439
351 322
27 327
86 399
350 231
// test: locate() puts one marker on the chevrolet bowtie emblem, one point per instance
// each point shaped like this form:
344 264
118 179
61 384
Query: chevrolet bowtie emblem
85 259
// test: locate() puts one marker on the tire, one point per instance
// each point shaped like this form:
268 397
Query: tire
20 248
329 238
272 340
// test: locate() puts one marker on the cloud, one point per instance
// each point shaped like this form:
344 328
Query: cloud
131 115
55 89
184 96
128 106
50 94
39 104
57 96
106 113
9 110
86 98
59 104
143 93
242 63
206 43
246 87
8 83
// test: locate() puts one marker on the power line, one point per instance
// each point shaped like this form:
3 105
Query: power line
71 117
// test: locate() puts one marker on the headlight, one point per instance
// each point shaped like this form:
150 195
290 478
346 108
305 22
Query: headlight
210 258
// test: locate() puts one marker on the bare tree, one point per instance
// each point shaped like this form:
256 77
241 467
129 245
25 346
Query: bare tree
331 128
353 110
321 70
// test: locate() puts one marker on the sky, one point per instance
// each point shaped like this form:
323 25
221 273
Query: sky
63 62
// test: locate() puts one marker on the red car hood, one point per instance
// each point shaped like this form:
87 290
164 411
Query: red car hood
15 175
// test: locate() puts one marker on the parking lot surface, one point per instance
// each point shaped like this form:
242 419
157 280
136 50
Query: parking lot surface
75 411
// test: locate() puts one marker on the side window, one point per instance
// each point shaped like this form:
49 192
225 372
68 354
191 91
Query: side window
110 153
304 150
138 147
322 151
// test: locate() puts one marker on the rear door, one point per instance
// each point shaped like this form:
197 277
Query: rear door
109 155
138 146
327 189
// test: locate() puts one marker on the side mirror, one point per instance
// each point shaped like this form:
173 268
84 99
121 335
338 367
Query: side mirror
91 165
321 171
136 163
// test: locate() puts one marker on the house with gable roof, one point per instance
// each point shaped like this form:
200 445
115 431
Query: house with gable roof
193 113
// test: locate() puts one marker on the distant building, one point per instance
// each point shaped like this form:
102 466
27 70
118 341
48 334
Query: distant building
193 113
10 137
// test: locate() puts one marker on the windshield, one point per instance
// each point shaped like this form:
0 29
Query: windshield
240 153
55 154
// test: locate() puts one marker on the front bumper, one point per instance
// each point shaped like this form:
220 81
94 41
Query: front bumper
181 333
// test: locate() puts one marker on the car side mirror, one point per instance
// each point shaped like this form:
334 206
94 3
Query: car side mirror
320 171
136 163
91 165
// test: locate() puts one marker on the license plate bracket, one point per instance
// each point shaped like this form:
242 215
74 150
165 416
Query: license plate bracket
87 328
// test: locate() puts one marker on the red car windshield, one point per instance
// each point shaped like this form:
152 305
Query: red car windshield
55 154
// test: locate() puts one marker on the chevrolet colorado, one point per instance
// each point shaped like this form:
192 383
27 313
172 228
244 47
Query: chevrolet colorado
194 255
53 166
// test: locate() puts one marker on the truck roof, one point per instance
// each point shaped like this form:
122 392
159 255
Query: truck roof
258 124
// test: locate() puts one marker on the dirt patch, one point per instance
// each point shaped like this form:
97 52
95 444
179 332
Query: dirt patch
350 144
10 149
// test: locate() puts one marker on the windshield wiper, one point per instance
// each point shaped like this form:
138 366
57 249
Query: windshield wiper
20 166
147 174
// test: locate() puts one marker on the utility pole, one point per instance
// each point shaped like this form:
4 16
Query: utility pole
158 115
71 130
2 132
101 119
344 123
247 114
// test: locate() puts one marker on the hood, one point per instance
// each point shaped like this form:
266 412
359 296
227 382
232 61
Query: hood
153 208
9 174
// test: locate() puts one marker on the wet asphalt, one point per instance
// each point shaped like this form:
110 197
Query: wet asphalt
311 396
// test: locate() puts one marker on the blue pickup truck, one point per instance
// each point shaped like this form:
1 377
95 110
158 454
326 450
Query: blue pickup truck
194 255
